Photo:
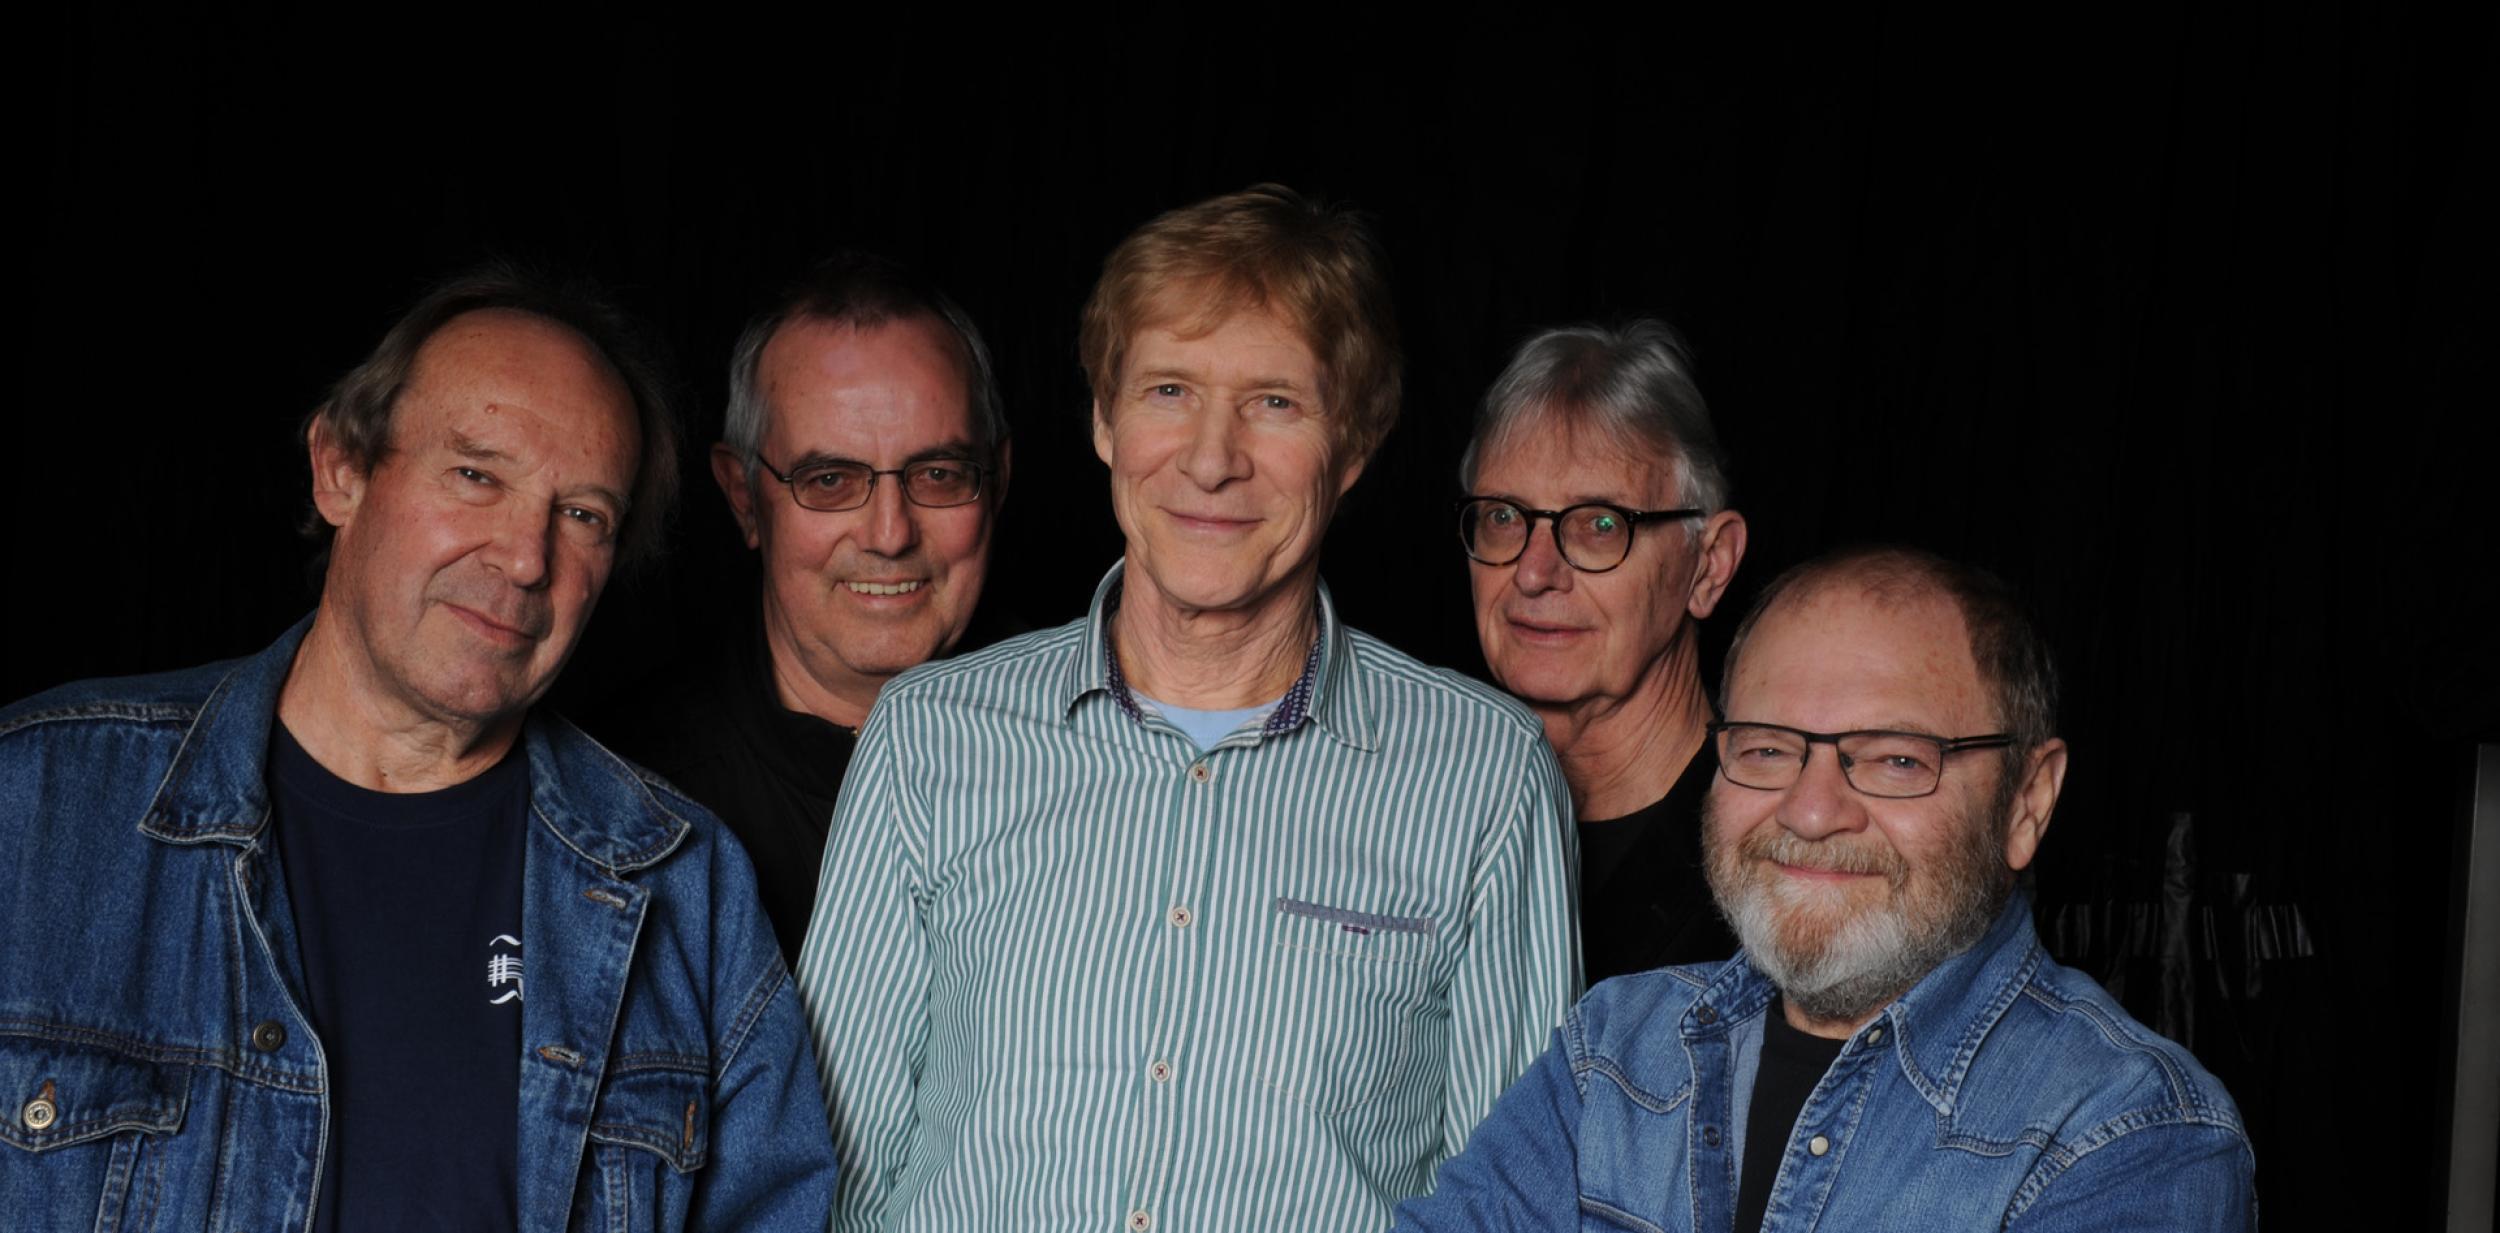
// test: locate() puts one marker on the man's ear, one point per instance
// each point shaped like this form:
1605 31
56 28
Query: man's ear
1006 464
730 472
1722 548
338 482
1102 434
2044 775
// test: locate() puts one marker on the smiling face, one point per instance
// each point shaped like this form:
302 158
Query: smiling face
1842 899
467 561
1560 638
1225 466
852 597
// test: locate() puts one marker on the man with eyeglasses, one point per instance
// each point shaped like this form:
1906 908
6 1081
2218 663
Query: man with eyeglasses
1597 523
1892 1049
865 458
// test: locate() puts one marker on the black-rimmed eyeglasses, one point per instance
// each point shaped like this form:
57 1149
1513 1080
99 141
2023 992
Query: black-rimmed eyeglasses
1592 537
1893 765
832 487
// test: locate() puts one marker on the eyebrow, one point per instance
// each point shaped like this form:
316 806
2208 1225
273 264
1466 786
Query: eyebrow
958 450
462 445
1255 383
478 451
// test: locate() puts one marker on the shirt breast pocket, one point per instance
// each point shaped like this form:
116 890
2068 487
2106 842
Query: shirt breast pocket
648 1140
83 1129
1345 991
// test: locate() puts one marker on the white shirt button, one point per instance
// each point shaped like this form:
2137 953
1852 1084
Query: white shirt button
1160 1072
1140 1220
1180 916
1818 1145
1199 772
1875 1036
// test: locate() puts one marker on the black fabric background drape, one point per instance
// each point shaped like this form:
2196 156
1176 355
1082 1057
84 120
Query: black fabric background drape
2180 319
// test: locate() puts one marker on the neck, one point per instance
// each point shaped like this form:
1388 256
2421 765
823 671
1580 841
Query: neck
810 680
1209 659
370 737
1620 755
1830 1029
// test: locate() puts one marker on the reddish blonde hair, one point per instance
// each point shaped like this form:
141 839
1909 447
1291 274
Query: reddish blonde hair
1265 248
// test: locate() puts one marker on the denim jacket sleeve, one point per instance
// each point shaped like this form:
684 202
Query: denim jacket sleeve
776 1170
2172 1178
1522 1172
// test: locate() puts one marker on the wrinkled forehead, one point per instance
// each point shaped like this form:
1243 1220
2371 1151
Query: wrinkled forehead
1191 309
1559 445
1843 655
481 365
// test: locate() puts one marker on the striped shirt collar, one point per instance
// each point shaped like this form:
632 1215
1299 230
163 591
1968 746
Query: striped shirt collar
1319 694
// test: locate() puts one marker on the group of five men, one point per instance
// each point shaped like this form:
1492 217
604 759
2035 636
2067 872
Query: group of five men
1203 911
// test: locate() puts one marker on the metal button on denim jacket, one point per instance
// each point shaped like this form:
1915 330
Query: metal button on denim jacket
2002 1091
156 1070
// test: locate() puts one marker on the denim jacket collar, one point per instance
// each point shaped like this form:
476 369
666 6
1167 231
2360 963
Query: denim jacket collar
216 789
1936 1027
1321 693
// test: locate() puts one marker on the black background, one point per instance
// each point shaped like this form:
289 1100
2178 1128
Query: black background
2179 319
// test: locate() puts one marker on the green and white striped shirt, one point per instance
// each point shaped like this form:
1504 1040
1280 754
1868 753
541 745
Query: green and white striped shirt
1068 972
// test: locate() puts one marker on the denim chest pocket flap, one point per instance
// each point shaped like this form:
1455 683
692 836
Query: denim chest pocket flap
1345 990
663 1107
55 1095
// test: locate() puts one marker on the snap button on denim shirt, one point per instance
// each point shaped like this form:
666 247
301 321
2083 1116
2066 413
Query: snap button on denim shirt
2003 1091
156 1070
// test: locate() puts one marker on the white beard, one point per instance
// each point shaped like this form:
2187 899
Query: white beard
1832 963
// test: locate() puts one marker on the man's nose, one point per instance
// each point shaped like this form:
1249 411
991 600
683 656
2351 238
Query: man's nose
523 543
1821 802
1213 456
892 527
1540 566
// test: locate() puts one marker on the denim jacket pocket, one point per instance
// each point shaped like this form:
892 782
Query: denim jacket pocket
1344 991
80 1127
650 1134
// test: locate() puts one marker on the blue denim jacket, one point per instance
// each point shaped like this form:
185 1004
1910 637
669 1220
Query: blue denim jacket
156 1070
2002 1091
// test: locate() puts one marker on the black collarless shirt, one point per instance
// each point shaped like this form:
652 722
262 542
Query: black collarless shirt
407 910
714 726
1644 900
1792 1062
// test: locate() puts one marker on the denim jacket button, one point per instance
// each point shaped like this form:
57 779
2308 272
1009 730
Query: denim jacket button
270 1036
1710 1135
1818 1145
38 1114
1706 1015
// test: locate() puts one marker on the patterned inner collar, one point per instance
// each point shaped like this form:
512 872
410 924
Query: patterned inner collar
1287 716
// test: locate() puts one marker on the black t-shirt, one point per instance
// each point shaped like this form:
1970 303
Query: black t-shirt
1644 900
407 914
714 726
1792 1062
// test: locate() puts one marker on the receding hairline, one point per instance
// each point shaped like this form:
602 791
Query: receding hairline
481 320
1573 420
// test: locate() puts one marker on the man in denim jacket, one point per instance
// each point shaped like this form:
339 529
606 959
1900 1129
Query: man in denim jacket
342 935
1892 1049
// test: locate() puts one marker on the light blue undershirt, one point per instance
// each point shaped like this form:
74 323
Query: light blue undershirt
1209 727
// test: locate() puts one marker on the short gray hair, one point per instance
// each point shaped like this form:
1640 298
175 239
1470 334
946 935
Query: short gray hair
863 291
1633 383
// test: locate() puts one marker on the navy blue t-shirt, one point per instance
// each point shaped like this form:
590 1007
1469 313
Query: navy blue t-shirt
408 919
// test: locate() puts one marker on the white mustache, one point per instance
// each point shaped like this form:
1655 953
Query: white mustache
1775 843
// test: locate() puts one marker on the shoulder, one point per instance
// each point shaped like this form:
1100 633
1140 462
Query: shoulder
1629 1026
2065 1057
1020 670
164 699
1417 694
